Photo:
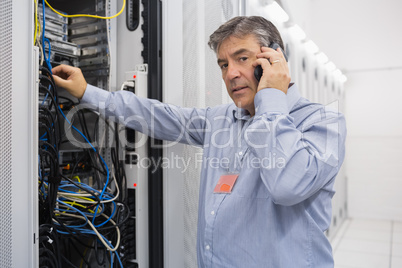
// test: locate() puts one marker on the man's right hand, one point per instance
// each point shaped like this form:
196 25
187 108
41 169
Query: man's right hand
70 78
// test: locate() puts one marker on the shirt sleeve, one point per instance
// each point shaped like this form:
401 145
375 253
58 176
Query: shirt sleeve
303 159
151 117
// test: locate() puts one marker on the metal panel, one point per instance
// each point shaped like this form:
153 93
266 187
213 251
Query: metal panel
5 134
201 86
137 175
21 157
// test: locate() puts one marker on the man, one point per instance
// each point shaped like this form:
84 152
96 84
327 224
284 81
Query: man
270 158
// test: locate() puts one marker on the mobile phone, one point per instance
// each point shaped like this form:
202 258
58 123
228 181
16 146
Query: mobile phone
258 69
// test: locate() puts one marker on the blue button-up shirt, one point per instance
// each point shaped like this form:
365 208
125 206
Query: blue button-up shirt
287 157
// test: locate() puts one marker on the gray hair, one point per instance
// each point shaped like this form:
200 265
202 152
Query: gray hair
241 26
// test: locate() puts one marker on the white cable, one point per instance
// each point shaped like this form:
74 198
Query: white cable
127 83
97 233
38 35
75 196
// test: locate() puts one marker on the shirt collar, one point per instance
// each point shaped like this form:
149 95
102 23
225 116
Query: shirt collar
240 113
292 97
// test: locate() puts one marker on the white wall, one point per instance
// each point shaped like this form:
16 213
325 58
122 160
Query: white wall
374 144
362 38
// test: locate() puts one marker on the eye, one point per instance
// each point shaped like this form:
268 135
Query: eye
224 66
242 59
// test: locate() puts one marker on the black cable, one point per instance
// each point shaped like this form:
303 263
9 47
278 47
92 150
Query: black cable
118 224
97 250
51 130
49 82
79 253
69 263
49 230
52 259
41 87
50 76
82 188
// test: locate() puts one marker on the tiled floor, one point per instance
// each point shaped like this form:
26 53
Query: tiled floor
368 244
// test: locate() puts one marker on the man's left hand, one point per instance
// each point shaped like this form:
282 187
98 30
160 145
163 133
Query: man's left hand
275 71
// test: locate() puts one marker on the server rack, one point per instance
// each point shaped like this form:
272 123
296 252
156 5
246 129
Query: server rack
19 114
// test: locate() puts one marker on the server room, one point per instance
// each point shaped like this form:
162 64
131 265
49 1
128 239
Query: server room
200 134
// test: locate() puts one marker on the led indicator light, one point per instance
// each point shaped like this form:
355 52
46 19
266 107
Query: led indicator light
135 185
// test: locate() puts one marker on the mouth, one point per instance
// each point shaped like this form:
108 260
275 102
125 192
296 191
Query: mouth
237 89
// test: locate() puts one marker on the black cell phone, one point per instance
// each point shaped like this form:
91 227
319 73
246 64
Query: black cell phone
258 69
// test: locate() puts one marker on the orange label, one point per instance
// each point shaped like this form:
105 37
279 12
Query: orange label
226 183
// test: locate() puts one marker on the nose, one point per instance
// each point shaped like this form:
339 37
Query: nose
232 71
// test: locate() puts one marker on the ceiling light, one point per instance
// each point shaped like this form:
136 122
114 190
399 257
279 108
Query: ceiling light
322 58
276 12
296 32
337 72
343 78
311 47
330 66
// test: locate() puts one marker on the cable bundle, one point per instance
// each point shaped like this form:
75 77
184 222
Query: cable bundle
82 203
85 216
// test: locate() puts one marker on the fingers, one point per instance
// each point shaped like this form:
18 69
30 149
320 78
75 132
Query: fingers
271 54
71 79
63 71
59 81
275 69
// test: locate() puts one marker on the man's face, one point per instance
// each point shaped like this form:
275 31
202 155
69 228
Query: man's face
235 58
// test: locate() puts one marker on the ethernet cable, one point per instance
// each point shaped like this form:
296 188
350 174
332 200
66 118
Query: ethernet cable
87 15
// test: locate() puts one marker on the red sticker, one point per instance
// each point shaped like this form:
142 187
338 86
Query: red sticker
226 183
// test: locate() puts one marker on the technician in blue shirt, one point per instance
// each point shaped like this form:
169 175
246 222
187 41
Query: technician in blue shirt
270 158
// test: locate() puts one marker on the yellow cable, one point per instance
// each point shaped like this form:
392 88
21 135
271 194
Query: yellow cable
78 198
71 203
78 205
36 21
87 15
77 178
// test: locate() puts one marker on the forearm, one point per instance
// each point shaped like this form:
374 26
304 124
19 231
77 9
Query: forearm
302 159
151 117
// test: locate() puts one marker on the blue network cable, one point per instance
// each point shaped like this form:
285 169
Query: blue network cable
94 149
103 196
86 231
45 40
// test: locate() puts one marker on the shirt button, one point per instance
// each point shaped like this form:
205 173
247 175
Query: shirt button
207 247
212 212
240 153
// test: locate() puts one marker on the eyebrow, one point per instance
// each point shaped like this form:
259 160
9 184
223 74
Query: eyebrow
236 53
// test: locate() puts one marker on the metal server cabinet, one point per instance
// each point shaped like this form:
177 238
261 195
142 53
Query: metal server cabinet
18 151
126 51
18 133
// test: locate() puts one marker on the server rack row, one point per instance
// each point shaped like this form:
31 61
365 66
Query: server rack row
317 78
192 79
